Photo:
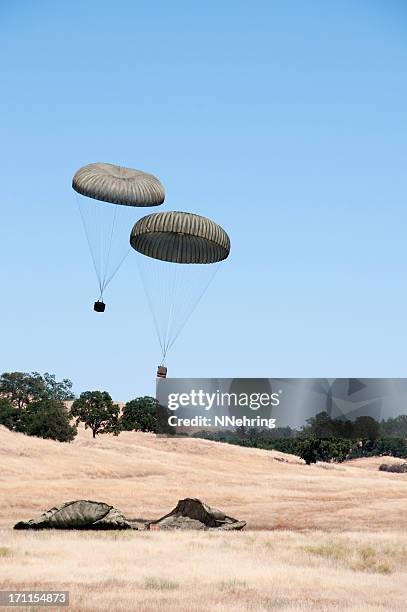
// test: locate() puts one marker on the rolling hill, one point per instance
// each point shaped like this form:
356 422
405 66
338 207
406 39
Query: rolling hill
144 476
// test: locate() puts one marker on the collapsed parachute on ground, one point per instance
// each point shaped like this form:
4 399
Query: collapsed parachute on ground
107 210
80 514
173 291
192 513
189 513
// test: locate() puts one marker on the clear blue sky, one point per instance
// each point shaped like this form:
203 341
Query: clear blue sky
284 121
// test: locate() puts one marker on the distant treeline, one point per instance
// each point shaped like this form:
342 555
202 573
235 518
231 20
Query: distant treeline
324 439
34 404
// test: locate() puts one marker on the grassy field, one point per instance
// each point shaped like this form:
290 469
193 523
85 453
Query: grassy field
322 537
281 570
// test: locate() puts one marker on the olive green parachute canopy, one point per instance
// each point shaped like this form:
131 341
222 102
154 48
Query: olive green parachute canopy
118 185
80 514
180 237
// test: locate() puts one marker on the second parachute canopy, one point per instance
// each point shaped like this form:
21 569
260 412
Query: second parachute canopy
173 291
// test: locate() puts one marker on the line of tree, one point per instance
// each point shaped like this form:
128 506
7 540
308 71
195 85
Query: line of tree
96 410
324 439
35 404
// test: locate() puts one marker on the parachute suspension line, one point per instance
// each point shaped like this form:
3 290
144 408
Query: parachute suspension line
171 314
194 305
88 238
106 262
173 293
115 269
108 278
150 303
169 303
165 279
103 224
102 246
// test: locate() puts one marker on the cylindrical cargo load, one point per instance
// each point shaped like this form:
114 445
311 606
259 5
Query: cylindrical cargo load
161 372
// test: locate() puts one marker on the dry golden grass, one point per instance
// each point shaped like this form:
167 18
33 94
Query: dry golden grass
144 476
338 539
211 571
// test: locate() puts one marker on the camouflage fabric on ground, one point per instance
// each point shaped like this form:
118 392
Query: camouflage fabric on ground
189 513
81 514
192 513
